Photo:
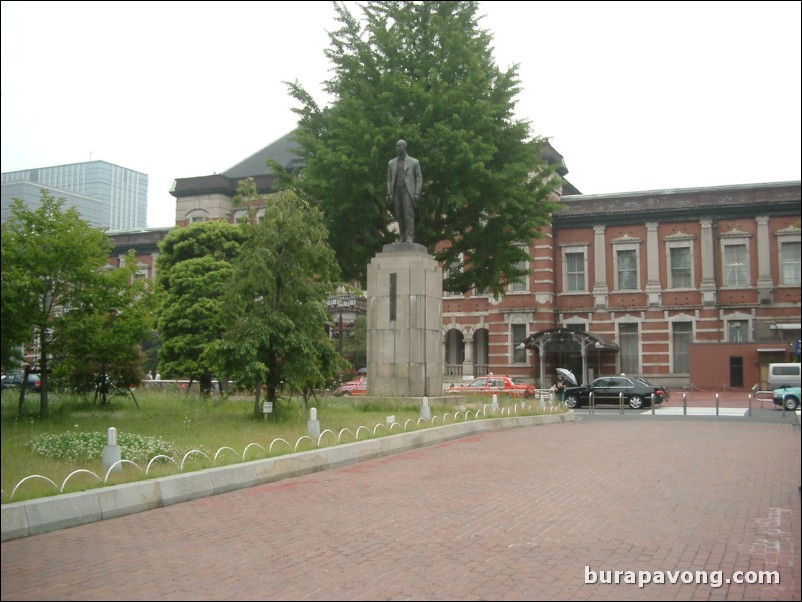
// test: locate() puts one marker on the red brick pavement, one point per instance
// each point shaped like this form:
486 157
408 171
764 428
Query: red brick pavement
511 515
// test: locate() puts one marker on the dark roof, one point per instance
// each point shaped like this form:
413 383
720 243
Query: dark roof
255 166
682 204
218 184
552 157
281 151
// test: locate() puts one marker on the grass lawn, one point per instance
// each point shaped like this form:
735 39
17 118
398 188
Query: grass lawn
194 431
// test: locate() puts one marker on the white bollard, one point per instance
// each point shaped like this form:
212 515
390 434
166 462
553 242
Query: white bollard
494 405
425 411
111 451
313 425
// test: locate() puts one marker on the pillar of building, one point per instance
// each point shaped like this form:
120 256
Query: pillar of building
764 283
467 362
707 249
600 290
653 288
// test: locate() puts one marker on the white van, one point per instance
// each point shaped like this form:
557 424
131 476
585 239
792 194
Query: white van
781 375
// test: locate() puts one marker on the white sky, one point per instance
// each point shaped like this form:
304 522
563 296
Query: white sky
634 95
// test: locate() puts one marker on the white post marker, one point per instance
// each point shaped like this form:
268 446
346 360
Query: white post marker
425 411
313 425
111 451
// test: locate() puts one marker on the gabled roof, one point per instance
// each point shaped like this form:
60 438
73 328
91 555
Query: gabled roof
281 151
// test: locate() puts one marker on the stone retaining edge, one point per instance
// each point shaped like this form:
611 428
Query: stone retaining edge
32 517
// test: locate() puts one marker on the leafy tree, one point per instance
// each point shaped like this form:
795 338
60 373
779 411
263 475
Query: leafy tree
274 311
193 269
52 280
355 342
100 334
424 72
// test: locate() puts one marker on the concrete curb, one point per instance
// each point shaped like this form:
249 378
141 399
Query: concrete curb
32 517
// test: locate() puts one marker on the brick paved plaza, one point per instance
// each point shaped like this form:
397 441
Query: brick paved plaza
520 514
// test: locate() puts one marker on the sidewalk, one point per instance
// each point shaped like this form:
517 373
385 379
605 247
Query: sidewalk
521 514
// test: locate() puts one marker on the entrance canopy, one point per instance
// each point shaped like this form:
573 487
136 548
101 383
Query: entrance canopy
564 341
559 336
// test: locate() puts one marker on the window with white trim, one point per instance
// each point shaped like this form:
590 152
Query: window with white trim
626 271
517 336
736 264
681 339
790 263
737 331
629 343
680 274
574 269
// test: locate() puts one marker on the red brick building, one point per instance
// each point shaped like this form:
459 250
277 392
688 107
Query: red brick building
695 287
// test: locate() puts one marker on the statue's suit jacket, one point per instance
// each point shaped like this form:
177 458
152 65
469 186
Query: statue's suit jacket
413 179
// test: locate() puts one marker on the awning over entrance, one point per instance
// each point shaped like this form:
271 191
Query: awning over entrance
564 335
563 340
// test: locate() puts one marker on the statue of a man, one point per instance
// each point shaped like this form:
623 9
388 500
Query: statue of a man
404 182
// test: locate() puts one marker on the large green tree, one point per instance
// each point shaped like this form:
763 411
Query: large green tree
54 288
99 337
274 311
424 72
193 269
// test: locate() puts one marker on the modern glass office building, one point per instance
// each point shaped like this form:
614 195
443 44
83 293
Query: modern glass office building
106 195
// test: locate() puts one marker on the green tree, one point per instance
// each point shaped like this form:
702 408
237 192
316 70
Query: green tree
193 269
355 342
100 335
274 312
52 271
424 72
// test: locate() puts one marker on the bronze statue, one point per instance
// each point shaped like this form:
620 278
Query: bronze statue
404 182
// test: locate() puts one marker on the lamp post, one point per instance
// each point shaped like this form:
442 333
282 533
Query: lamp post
339 303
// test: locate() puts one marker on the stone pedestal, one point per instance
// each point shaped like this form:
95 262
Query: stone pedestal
405 290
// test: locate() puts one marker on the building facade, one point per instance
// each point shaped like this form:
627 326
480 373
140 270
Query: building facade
690 288
106 195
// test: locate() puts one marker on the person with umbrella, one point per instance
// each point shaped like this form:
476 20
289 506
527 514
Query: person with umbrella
559 386
565 378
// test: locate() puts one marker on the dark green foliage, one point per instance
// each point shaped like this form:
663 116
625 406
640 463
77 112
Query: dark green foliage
274 309
424 72
84 318
193 270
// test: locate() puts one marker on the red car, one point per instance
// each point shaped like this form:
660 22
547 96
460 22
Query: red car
358 386
501 385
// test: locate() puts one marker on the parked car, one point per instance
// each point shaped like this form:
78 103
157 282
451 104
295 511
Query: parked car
784 375
358 386
788 397
501 385
13 380
607 389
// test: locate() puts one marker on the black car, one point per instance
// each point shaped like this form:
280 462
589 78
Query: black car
606 390
13 380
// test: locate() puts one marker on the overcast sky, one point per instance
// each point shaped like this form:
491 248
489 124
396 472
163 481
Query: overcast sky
635 95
